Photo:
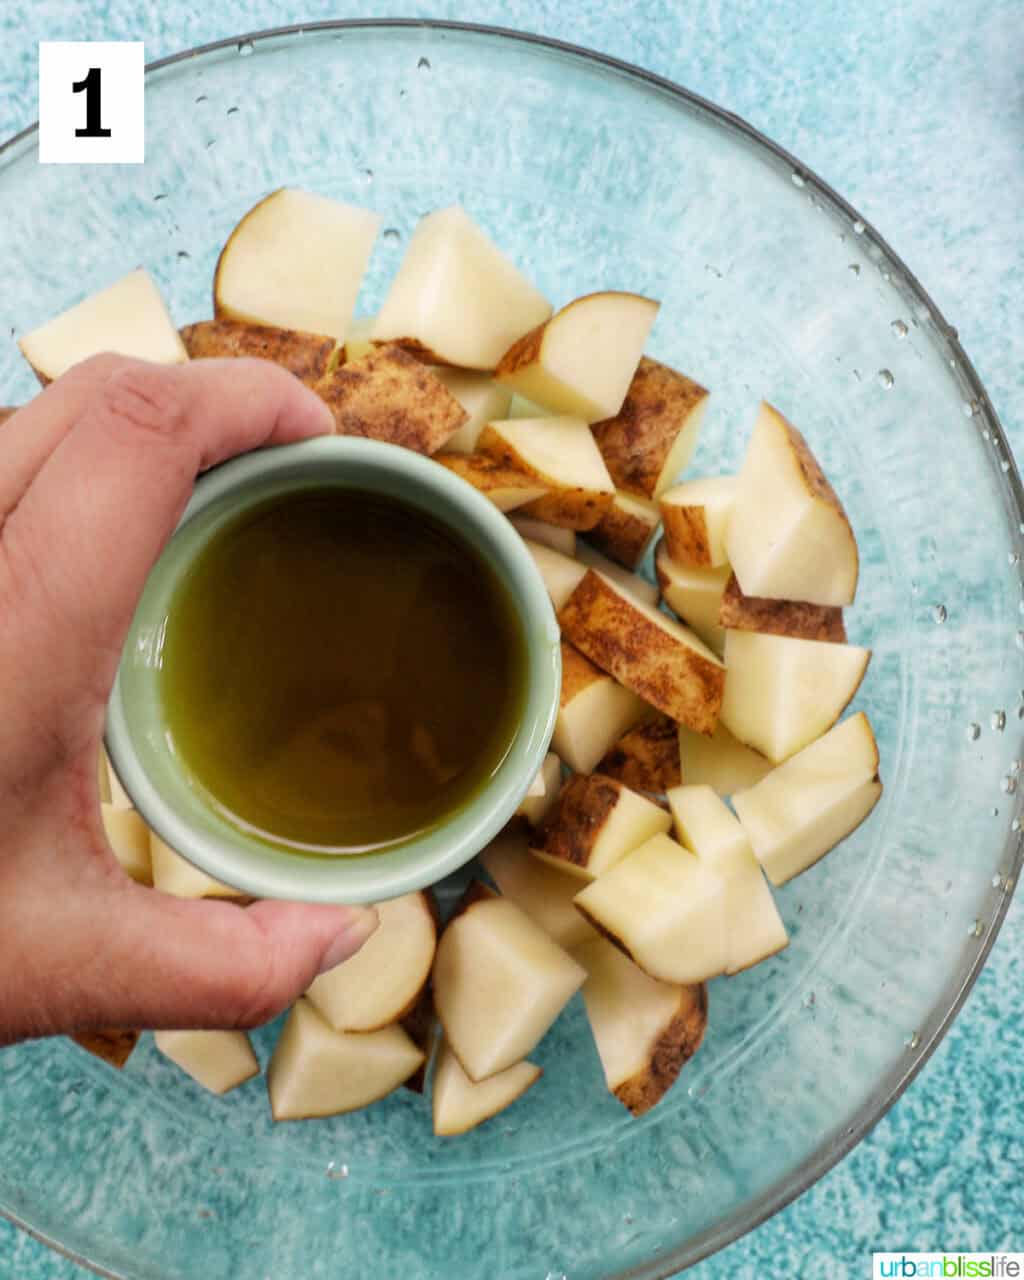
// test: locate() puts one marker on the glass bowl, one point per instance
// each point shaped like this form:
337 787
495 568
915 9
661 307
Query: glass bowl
592 175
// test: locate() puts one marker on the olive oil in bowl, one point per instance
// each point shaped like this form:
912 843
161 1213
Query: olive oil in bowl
341 671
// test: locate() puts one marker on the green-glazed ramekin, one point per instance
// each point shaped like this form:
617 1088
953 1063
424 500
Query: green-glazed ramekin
159 784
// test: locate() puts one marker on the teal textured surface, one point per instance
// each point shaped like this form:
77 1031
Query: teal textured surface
865 100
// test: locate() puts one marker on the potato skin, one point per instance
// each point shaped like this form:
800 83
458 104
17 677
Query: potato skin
306 355
686 535
387 395
113 1045
636 442
619 638
647 757
491 476
622 536
780 617
668 1054
569 508
571 829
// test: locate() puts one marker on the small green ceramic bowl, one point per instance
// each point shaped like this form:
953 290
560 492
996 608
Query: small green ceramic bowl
160 786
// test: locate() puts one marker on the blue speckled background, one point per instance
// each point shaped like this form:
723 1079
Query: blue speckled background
915 112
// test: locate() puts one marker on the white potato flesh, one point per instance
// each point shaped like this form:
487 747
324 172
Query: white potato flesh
119 798
594 712
561 574
128 837
218 1060
481 397
696 515
560 451
781 692
587 844
380 983
296 260
631 582
128 318
544 893
533 807
499 984
547 535
723 763
176 875
358 342
457 295
460 1104
695 595
317 1071
666 909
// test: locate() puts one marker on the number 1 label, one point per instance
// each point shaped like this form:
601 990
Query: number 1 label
91 86
91 102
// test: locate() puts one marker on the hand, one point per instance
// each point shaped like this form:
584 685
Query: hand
94 475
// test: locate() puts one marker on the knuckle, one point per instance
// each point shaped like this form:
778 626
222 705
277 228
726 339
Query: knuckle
145 398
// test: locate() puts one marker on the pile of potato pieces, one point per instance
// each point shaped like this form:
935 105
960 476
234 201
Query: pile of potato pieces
561 420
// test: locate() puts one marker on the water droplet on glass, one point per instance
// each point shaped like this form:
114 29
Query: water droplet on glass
809 1000
886 276
973 732
392 234
1004 465
1015 766
232 111
899 329
970 408
914 1041
994 812
796 179
184 254
202 98
976 929
939 614
855 268
556 1275
998 721
423 64
1012 557
885 379
337 1170
858 228
245 47
997 882
1009 784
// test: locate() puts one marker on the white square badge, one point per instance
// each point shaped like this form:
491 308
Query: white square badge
91 102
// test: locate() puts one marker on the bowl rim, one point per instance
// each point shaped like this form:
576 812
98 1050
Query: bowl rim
832 1149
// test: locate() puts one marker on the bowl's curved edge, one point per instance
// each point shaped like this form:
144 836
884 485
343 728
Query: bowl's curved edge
830 1152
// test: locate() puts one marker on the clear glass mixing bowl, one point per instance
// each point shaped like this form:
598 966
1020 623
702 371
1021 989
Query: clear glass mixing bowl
592 175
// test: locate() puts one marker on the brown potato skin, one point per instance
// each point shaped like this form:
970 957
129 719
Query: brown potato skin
636 442
622 536
578 673
621 640
574 823
7 411
387 395
780 617
114 1045
686 535
524 351
669 1053
647 757
420 1025
488 474
569 508
306 355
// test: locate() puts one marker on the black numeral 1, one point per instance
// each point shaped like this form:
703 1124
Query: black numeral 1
90 86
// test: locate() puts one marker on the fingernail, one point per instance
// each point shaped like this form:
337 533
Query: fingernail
360 925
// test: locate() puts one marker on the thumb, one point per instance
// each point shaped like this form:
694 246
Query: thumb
203 964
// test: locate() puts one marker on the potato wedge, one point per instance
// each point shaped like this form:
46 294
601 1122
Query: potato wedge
547 535
652 436
483 400
723 763
306 355
561 454
561 574
595 824
543 892
173 874
128 837
217 1060
594 712
460 1104
662 661
645 1030
646 758
581 361
696 516
387 395
636 585
694 595
738 612
535 807
421 1026
507 487
626 528
112 1045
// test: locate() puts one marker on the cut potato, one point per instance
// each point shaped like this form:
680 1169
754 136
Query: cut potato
507 487
499 984
694 594
723 763
112 1045
651 437
173 874
593 712
381 983
128 318
789 537
460 1104
665 909
647 757
535 807
520 407
456 298
631 582
738 612
296 260
645 1030
545 894
102 777
420 1025
119 798
696 516
582 360
128 837
481 397
662 661
595 824
548 535
387 395
561 574
626 528
306 355
704 824
8 411
807 805
317 1071
218 1060
358 342
782 693
561 454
